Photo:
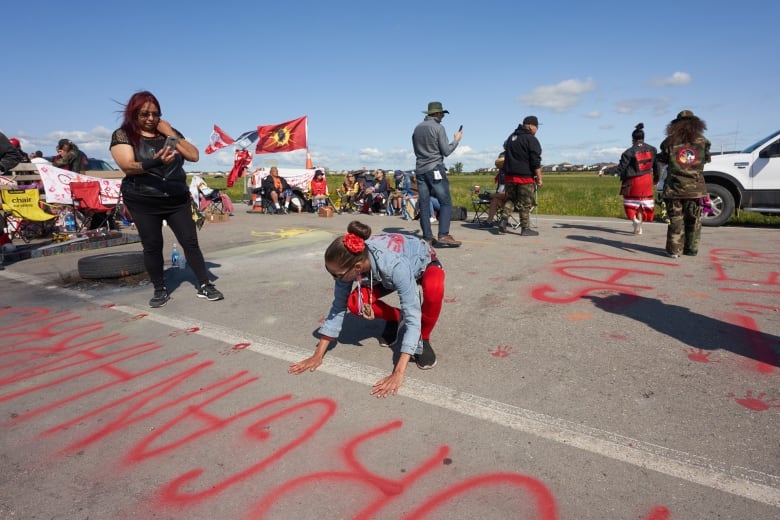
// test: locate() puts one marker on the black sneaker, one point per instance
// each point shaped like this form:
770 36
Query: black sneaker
502 225
208 291
390 334
160 298
427 359
528 232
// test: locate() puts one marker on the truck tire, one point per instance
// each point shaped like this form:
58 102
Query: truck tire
112 265
722 206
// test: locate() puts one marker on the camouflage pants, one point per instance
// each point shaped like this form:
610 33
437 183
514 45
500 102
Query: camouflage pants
684 231
523 197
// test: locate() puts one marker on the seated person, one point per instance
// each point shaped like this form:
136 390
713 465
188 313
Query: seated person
395 200
18 145
348 193
69 157
435 207
276 188
206 195
10 156
410 199
375 193
499 197
318 190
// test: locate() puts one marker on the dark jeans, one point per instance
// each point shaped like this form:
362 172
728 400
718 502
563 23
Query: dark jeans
180 221
427 186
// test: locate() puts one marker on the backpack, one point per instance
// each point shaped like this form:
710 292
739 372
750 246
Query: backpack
459 213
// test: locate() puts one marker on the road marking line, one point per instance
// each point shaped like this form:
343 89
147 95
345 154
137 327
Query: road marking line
744 482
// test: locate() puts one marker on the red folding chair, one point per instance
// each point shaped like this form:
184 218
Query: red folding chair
86 201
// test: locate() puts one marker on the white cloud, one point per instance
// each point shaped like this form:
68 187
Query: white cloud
559 97
370 154
675 80
593 115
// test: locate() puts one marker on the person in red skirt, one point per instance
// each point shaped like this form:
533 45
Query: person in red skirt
639 172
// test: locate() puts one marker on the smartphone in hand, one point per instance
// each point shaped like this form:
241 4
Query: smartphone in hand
460 129
171 142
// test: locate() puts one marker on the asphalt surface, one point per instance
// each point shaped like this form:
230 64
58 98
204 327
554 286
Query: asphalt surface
582 374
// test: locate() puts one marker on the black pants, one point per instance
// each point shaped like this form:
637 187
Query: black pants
149 225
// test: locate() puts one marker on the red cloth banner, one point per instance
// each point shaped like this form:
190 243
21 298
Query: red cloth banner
243 159
284 137
218 139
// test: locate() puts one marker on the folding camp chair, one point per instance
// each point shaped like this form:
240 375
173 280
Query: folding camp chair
22 214
86 202
214 204
480 201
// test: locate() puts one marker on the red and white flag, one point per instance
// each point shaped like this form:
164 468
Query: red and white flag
284 137
218 139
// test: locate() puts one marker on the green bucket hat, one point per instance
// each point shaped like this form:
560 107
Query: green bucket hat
434 107
685 114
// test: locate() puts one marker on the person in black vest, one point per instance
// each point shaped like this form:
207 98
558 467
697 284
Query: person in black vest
639 172
155 189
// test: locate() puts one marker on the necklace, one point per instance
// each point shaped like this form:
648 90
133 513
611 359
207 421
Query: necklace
366 309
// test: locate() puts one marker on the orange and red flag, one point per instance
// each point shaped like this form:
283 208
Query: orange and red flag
284 137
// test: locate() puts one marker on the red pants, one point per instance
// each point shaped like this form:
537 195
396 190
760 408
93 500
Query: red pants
432 283
639 199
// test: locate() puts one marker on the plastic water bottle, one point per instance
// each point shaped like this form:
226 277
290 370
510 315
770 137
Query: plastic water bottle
175 258
70 221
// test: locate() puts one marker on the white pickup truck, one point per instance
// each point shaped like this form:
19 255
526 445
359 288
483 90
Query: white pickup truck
748 180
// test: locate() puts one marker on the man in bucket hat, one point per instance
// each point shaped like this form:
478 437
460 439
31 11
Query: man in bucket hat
431 146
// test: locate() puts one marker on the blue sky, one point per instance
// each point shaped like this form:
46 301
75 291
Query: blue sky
364 71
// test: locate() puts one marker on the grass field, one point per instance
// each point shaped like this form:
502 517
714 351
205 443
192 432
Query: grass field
582 194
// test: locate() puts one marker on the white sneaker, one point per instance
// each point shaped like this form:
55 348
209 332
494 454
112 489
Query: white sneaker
433 219
637 226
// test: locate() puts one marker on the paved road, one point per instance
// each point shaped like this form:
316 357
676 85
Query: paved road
581 375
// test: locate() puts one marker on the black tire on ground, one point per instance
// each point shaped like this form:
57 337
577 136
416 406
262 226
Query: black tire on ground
722 206
112 265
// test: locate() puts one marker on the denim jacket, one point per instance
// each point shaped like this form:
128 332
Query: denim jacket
397 262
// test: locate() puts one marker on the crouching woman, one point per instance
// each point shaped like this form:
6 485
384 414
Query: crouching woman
365 269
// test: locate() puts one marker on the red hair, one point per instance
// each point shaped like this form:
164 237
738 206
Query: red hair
133 106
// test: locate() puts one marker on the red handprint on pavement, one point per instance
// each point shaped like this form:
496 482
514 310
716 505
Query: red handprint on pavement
758 403
698 355
501 351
